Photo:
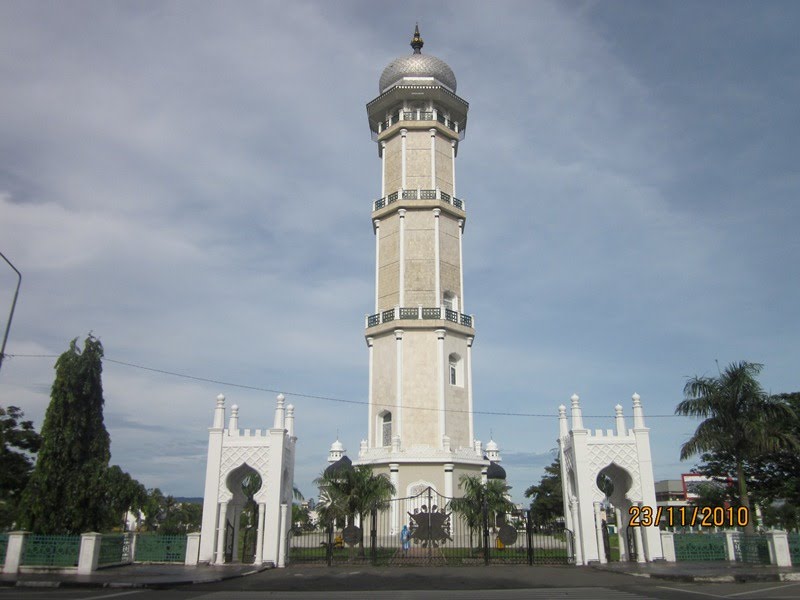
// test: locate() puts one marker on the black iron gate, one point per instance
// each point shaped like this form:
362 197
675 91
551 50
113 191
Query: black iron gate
228 541
429 529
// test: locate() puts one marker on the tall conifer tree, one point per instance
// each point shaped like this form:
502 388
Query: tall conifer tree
66 493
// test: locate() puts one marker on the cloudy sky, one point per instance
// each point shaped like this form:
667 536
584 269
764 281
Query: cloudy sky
191 181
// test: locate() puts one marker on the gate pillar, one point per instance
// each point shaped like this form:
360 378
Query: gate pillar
262 509
221 531
598 528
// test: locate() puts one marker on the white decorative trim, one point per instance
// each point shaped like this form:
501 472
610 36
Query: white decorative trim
453 162
370 436
401 213
420 485
440 333
470 340
433 158
398 336
403 133
437 267
377 223
461 264
383 169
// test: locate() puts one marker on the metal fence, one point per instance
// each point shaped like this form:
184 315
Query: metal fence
752 549
436 535
152 547
699 546
114 550
794 548
51 550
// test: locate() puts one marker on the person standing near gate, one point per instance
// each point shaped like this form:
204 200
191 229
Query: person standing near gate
405 539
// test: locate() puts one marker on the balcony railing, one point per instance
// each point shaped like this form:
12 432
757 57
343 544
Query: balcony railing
417 115
418 194
419 313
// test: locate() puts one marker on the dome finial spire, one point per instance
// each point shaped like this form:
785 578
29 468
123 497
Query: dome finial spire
416 41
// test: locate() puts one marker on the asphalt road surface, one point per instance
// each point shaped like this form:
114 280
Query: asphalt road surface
634 590
493 583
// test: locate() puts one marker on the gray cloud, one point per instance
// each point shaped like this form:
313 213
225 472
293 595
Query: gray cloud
192 184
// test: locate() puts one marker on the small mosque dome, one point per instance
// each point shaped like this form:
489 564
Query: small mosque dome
337 446
417 65
491 446
495 471
342 465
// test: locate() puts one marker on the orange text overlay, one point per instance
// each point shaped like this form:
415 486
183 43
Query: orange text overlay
688 516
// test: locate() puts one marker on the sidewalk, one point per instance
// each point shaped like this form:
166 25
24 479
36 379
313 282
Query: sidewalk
704 572
133 576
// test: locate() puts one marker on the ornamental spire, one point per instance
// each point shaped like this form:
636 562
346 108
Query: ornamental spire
416 41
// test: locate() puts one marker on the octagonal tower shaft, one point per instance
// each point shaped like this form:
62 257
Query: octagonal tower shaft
419 337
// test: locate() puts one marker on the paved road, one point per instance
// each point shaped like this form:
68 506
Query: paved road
632 591
494 583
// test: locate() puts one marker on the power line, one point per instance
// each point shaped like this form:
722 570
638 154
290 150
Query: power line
318 397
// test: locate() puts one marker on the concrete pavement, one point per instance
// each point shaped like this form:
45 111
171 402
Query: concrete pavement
133 576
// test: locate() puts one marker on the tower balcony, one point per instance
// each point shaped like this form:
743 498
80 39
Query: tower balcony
404 116
419 194
419 313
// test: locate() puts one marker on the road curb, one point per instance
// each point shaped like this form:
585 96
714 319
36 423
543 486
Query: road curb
155 585
728 578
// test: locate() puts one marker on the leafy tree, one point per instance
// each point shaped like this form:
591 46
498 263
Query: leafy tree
547 498
123 494
493 495
778 472
774 477
153 509
301 520
783 515
165 515
66 490
715 493
741 420
18 440
180 517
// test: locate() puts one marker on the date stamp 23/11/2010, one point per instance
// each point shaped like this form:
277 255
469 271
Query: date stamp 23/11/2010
688 516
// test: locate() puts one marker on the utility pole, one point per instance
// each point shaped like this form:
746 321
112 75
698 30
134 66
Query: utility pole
13 305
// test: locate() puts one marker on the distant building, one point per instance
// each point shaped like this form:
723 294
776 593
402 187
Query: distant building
671 492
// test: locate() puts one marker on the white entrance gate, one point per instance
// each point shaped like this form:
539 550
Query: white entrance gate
618 455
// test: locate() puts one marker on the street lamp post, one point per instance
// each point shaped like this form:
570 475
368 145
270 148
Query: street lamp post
13 305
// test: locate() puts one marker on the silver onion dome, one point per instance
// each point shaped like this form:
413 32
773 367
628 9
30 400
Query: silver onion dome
417 65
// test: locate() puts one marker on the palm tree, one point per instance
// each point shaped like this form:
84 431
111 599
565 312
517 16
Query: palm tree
352 491
476 495
741 420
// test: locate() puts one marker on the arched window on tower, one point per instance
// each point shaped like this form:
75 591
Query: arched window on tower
456 370
385 428
450 300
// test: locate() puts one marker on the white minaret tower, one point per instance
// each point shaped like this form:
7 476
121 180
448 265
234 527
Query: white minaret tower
337 451
420 426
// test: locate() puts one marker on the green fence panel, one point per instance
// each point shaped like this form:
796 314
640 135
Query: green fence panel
751 549
112 548
699 546
3 546
151 547
794 548
51 551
